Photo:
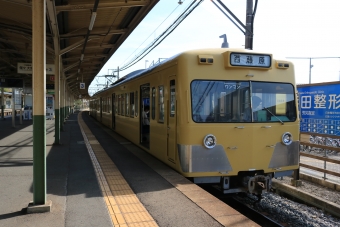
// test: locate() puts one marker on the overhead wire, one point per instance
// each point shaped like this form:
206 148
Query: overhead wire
160 38
152 33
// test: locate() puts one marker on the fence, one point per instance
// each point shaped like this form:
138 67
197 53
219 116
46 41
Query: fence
318 148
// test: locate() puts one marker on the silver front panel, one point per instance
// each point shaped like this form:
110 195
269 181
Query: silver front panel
196 158
285 155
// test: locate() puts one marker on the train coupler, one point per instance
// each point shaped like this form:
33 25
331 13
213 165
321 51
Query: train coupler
258 184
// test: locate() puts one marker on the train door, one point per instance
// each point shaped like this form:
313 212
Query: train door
144 115
113 111
171 120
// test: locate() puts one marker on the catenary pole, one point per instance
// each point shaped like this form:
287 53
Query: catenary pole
249 25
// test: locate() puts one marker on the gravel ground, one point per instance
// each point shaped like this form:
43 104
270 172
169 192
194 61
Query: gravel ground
315 189
290 213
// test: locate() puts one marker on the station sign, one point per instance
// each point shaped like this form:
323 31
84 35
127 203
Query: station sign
11 83
319 106
27 68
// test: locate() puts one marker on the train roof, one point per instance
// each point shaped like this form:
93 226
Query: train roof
141 72
135 74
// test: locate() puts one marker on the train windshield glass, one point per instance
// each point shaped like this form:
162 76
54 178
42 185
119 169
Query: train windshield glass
242 101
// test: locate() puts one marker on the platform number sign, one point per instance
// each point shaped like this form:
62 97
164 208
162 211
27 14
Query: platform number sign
82 85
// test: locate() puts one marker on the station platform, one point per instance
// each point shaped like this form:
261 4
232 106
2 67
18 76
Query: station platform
97 178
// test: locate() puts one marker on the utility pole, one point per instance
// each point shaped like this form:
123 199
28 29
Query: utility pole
310 70
247 29
249 25
311 65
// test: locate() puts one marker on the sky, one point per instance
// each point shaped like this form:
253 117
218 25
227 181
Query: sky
287 28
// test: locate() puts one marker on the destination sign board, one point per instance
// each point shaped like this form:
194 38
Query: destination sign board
320 108
249 59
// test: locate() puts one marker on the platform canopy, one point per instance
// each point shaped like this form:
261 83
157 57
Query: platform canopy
85 33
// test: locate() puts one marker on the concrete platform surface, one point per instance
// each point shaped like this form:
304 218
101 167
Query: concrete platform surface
71 181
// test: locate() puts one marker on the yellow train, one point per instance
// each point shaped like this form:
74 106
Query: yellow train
226 116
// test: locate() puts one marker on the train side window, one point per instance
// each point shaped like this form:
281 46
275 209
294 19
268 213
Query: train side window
153 104
104 104
136 104
132 104
118 105
161 104
127 113
122 104
108 104
172 98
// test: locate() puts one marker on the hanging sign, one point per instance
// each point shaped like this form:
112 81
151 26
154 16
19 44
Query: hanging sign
27 68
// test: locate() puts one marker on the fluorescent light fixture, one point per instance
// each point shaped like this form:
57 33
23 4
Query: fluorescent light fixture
78 70
81 57
93 18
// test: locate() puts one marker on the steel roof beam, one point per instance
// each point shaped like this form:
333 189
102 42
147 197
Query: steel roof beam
87 57
73 46
96 32
11 41
81 7
102 46
71 66
7 62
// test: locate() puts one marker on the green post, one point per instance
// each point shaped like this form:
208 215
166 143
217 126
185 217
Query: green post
39 101
2 112
57 99
39 159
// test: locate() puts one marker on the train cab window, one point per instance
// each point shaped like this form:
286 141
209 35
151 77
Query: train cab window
153 104
241 101
132 104
161 104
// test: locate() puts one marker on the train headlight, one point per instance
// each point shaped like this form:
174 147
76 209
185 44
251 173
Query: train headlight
287 138
209 141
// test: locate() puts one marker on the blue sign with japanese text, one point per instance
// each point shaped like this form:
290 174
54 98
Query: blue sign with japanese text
320 109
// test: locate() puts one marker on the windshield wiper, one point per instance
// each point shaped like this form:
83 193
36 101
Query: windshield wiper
273 115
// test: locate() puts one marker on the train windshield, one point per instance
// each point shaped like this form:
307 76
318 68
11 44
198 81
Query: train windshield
242 101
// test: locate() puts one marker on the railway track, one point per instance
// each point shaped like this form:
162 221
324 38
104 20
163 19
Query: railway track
275 210
233 201
258 217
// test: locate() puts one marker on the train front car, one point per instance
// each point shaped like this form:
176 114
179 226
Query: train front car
241 127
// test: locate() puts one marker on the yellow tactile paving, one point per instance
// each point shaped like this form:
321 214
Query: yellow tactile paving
124 207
